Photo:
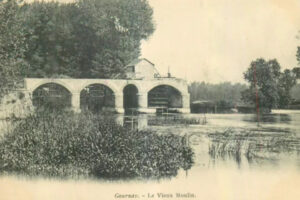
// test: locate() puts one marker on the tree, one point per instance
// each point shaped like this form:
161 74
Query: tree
271 87
87 38
50 40
287 81
296 70
12 46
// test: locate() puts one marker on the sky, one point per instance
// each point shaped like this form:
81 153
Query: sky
216 40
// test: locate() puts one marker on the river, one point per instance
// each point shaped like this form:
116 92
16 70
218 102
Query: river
266 164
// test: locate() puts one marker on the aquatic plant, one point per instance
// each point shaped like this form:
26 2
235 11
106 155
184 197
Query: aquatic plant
70 145
260 144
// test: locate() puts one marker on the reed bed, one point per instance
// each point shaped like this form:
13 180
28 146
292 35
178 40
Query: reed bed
252 144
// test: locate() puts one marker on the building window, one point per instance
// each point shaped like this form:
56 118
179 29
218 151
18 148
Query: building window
132 69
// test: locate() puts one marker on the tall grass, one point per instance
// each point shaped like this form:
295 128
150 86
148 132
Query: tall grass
71 145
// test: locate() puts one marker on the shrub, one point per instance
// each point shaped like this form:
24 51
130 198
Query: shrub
70 145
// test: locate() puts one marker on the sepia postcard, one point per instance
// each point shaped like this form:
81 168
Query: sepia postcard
150 100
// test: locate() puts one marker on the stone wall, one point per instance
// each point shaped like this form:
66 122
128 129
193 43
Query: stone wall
16 104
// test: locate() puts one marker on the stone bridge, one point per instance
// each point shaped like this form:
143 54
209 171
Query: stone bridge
75 86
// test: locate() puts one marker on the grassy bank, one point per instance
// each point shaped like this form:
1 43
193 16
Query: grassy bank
71 145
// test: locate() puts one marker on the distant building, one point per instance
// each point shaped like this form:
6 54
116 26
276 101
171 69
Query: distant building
203 107
245 108
141 69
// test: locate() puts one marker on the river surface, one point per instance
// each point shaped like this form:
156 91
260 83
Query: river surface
237 156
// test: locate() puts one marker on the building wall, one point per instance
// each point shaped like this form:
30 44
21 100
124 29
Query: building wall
141 70
145 70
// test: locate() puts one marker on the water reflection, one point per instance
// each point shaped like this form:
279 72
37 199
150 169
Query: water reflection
230 140
269 118
143 121
256 148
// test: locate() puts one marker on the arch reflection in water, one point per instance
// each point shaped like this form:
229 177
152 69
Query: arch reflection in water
142 121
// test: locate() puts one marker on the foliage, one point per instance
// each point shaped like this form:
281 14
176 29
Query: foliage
296 71
287 81
64 144
222 94
273 86
295 92
12 46
86 38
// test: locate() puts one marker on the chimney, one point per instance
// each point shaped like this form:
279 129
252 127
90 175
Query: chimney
169 74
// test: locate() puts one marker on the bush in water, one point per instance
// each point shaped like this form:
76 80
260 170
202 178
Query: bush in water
71 145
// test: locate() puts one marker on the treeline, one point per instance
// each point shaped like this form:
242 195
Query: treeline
84 39
226 93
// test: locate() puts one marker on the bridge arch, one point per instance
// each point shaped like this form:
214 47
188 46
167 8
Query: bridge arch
106 83
96 97
51 96
164 95
41 82
170 84
130 96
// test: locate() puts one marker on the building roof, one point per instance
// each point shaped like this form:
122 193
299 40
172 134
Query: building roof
138 60
135 62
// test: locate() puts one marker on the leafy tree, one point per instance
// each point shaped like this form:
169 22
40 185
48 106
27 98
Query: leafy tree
295 93
264 76
49 38
273 87
87 38
287 81
296 70
12 46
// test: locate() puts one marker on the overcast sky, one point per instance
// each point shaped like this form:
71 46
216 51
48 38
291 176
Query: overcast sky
215 40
